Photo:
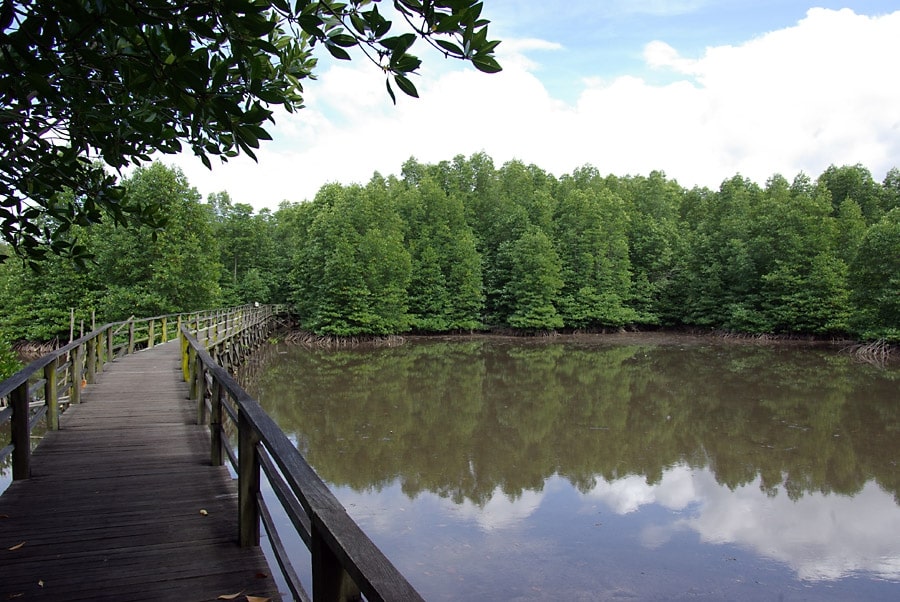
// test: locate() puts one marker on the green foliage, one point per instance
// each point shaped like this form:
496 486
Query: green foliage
351 269
592 243
890 191
445 287
516 247
122 80
854 182
718 278
137 271
461 245
534 283
9 363
36 305
654 238
851 228
152 272
803 281
246 251
875 280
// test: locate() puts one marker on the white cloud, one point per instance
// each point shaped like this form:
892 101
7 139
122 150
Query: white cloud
821 537
623 496
797 99
500 511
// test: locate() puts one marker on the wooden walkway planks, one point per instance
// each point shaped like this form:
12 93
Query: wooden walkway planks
113 508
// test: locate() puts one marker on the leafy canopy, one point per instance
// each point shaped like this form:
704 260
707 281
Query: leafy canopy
86 84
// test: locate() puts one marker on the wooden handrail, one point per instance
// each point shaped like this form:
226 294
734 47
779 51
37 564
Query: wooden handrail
345 562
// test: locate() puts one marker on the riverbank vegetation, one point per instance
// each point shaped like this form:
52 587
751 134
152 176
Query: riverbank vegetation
463 245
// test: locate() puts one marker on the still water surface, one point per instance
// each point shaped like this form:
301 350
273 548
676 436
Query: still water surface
606 467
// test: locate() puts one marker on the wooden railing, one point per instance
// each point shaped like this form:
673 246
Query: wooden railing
44 388
345 562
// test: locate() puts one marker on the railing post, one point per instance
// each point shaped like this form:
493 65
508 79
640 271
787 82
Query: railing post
91 367
20 434
248 482
101 352
151 334
165 330
216 447
51 394
192 372
130 337
185 357
110 350
330 581
202 416
77 363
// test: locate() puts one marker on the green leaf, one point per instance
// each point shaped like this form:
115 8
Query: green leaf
450 47
179 41
312 25
257 25
414 5
406 85
406 63
390 90
486 64
342 39
338 52
359 24
400 43
271 96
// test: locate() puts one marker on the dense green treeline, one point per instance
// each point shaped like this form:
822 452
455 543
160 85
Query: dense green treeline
462 245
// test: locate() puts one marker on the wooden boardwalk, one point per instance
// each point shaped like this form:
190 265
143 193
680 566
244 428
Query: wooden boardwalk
123 503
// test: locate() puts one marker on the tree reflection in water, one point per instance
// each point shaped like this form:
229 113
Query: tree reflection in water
786 452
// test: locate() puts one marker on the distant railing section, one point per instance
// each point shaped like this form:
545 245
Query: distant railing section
345 562
45 387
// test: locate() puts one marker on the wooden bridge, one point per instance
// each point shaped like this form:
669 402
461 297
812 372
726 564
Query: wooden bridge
127 497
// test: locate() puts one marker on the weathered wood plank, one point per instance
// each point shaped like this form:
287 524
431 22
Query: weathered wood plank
113 510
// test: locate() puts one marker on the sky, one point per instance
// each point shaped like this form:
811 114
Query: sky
701 90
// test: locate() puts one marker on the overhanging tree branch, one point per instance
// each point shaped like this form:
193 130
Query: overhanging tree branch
121 80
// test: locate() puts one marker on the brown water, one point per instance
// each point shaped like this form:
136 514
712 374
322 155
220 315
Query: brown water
606 467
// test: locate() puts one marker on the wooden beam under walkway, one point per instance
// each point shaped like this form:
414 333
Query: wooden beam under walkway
123 504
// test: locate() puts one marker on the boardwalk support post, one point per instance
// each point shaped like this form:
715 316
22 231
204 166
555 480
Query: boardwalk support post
248 482
185 359
192 361
51 395
77 360
200 372
216 446
20 433
91 366
331 582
